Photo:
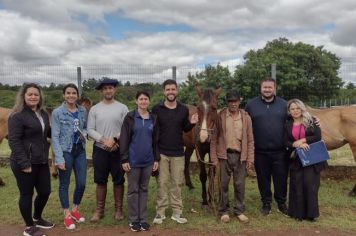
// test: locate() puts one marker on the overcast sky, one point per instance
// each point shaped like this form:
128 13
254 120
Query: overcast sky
167 32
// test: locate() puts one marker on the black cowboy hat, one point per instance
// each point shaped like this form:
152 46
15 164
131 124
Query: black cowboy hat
106 81
233 95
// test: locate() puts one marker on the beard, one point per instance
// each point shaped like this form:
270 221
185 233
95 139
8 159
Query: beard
109 96
171 99
268 96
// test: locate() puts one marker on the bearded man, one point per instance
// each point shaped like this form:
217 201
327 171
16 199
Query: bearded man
173 119
104 126
268 113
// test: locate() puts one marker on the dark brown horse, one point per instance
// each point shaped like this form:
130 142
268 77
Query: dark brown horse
198 139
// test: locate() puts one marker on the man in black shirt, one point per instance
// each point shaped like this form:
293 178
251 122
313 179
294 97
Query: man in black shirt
173 119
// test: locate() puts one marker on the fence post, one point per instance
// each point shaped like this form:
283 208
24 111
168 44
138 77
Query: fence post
274 71
79 80
174 72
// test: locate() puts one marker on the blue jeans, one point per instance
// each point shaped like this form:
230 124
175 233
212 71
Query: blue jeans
76 160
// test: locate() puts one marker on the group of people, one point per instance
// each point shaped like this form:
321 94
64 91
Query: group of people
265 135
142 143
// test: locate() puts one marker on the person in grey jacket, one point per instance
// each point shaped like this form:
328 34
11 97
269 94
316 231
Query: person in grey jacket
139 158
69 124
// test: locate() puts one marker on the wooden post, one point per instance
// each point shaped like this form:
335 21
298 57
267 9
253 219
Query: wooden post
79 80
174 72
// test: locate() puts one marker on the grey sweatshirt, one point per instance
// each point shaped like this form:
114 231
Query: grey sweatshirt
105 120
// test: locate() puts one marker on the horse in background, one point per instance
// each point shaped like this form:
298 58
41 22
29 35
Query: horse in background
4 113
4 116
338 127
198 140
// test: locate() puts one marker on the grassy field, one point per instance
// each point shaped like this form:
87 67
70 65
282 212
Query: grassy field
342 156
338 211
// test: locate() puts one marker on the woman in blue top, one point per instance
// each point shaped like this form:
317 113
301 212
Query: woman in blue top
69 123
139 157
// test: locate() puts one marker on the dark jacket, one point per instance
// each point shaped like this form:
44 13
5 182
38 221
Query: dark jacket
268 120
126 136
27 141
312 135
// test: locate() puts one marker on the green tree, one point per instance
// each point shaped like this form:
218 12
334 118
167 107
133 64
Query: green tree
89 84
211 77
350 85
303 70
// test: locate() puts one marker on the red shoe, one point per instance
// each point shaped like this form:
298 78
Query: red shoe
68 223
77 216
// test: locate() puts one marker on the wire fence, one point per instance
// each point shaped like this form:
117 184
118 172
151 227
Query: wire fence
47 75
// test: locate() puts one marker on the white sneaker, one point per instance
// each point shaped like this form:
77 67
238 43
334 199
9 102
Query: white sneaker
179 219
242 218
158 219
225 218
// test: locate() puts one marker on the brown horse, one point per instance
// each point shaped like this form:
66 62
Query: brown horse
338 127
4 116
198 138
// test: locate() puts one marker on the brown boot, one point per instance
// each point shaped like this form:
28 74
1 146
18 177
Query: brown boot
118 198
100 202
2 183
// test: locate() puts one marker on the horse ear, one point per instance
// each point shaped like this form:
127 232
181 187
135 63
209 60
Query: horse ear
218 91
198 90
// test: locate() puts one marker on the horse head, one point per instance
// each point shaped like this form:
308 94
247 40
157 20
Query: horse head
207 110
86 103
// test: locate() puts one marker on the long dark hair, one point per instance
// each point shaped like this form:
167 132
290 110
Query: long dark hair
70 85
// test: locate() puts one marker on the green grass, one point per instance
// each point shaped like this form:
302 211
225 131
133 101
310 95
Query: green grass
338 211
339 157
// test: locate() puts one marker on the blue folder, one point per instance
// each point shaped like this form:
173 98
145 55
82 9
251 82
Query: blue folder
317 153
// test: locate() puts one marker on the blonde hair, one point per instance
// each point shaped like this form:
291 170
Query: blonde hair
20 98
307 119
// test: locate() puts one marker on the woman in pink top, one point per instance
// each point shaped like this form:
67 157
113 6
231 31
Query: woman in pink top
300 131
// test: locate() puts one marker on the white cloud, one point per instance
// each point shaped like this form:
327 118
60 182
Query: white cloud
50 31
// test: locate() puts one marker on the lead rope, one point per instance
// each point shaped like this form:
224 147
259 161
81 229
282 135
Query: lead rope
213 175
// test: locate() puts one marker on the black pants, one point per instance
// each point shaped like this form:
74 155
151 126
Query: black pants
303 192
272 165
38 179
105 162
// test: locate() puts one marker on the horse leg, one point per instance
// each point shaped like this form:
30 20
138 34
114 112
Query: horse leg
352 193
2 183
54 169
203 178
187 154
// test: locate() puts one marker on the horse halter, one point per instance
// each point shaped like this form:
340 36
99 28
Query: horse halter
209 123
210 129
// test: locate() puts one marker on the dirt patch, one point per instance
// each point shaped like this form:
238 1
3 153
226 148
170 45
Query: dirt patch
116 230
339 172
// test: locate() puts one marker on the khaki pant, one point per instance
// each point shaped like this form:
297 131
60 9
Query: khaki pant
170 181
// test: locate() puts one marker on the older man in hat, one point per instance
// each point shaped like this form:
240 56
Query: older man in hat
104 125
234 147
